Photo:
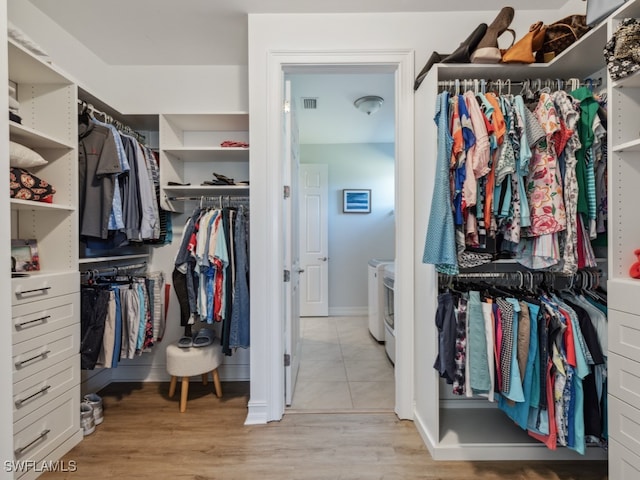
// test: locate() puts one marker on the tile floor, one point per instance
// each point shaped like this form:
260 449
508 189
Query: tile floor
342 368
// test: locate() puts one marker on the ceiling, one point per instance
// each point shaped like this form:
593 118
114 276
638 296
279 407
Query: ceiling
214 32
210 32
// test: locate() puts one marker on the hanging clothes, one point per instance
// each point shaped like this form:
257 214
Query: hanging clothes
121 319
211 274
510 180
547 351
119 189
439 246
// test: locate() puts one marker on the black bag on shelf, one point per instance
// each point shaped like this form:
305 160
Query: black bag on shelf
622 51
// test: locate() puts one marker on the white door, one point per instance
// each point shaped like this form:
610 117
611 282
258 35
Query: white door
291 246
314 240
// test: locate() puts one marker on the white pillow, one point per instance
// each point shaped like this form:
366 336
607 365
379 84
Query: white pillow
23 157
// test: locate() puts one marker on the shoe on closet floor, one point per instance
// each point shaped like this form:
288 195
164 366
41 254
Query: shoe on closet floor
87 422
95 401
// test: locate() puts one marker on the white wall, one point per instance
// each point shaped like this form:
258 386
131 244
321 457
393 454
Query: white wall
136 89
356 238
6 368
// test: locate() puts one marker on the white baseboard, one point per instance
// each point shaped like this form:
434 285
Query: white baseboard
257 414
148 373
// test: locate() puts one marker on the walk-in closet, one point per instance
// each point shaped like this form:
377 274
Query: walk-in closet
149 208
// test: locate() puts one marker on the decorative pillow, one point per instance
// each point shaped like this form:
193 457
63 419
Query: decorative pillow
23 157
26 186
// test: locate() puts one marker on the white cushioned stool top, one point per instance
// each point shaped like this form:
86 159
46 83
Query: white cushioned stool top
187 362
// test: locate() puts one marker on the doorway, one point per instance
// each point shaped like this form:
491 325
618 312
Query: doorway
342 367
267 402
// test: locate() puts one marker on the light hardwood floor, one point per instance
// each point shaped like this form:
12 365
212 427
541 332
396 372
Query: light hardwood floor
144 437
341 426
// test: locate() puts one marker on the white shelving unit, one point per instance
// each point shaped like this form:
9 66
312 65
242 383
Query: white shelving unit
46 304
190 153
624 291
457 428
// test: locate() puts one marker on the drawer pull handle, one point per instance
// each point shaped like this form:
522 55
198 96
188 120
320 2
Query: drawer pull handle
41 319
20 450
41 289
20 401
40 355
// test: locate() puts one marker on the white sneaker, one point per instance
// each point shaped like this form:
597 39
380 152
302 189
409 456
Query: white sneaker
86 419
95 401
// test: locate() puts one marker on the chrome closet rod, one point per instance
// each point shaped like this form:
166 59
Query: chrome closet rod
481 84
109 119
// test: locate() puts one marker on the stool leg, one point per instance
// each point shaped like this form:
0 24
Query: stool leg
183 394
216 383
172 386
205 378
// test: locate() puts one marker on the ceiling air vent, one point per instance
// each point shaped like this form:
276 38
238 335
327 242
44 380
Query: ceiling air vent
310 103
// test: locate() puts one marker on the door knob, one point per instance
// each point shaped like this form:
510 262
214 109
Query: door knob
300 270
324 259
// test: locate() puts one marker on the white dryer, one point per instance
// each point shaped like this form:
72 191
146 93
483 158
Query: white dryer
376 298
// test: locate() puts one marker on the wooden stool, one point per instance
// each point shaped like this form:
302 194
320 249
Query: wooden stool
188 362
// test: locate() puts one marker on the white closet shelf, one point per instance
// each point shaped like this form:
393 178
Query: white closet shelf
631 146
34 139
632 81
30 205
205 190
89 260
207 154
569 64
27 68
490 433
220 121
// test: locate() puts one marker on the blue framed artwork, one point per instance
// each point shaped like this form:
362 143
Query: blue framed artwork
356 201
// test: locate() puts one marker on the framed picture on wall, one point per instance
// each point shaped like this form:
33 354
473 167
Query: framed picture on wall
356 201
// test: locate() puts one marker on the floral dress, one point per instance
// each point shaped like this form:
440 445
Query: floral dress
544 195
544 187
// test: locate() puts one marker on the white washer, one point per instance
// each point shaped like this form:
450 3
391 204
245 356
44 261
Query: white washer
388 282
376 297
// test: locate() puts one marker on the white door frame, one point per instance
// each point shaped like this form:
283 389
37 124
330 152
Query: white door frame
267 375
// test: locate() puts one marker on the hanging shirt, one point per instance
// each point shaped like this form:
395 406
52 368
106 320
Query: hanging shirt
439 247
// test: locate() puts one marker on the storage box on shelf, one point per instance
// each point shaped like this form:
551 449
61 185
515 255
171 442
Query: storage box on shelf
624 291
45 306
191 152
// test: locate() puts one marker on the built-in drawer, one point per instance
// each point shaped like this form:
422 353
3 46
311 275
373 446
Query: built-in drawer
38 434
37 354
40 388
624 334
624 379
624 423
45 285
623 463
31 320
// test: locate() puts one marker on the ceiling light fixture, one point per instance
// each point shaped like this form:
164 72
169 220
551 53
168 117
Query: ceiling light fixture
369 104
